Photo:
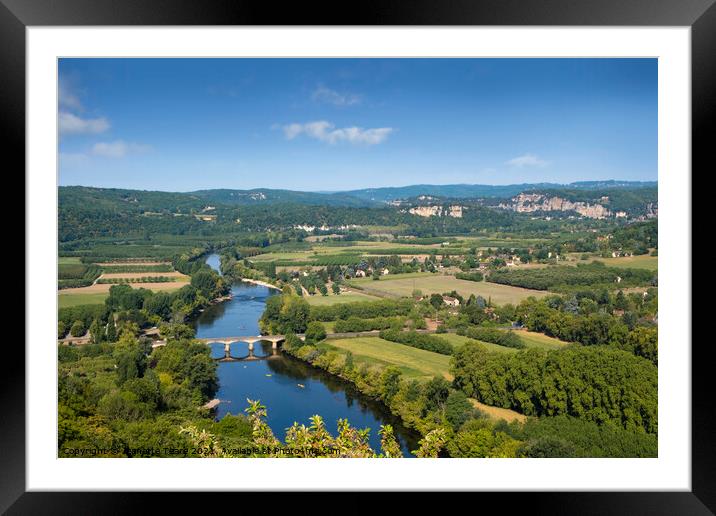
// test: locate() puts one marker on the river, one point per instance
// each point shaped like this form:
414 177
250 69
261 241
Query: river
275 381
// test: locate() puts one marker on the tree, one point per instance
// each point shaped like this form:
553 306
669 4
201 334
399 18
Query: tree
476 439
644 342
207 282
78 329
336 288
458 409
569 380
176 331
436 392
111 330
285 314
390 383
620 301
292 342
349 365
436 300
61 329
96 333
315 332
131 363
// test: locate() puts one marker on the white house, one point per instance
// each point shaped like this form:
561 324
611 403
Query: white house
451 301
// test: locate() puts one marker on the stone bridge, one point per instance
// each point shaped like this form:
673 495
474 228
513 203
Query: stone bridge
250 340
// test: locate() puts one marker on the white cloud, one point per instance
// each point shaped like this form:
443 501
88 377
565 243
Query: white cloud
292 130
326 132
329 96
527 160
73 124
66 97
118 149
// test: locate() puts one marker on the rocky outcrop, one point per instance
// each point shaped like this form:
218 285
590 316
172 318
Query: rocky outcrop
438 211
528 203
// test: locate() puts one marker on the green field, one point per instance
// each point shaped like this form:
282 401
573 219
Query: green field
540 340
351 297
413 362
644 261
435 283
65 260
459 340
269 257
66 300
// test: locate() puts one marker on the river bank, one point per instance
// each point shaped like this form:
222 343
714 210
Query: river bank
291 389
367 382
260 283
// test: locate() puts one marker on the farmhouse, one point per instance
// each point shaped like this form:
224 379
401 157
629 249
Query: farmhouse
451 301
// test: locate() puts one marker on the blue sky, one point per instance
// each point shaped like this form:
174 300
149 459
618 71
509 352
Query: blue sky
339 124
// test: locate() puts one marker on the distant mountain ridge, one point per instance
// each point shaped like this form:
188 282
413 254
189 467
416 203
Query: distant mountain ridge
472 191
368 197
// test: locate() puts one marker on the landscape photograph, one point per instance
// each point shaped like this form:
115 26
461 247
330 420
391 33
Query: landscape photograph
357 258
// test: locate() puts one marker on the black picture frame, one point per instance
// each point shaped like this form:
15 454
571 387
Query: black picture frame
700 15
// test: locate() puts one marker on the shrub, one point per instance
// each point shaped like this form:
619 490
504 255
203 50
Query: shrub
500 337
315 332
418 340
78 329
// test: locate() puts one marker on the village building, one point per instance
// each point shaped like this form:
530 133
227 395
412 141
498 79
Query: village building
451 301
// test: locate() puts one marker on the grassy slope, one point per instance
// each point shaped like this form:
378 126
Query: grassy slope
459 340
540 340
413 362
63 260
65 300
500 294
632 262
331 299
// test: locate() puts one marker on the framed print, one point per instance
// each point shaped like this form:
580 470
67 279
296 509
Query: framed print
270 254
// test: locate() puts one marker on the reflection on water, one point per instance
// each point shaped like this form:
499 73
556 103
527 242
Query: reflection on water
292 390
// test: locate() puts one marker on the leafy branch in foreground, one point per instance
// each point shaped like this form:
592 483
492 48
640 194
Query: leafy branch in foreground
312 441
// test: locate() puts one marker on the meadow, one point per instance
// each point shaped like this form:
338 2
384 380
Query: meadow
412 362
459 340
345 297
540 340
643 261
404 286
97 293
65 300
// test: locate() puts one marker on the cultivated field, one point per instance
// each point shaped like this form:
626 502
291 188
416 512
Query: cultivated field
97 293
632 262
64 260
459 340
540 340
404 286
498 412
413 362
131 263
132 275
331 299
64 300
